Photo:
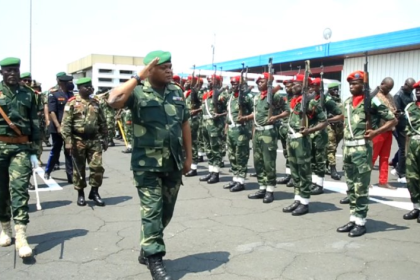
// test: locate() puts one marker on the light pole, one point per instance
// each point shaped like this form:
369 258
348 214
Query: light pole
327 35
30 36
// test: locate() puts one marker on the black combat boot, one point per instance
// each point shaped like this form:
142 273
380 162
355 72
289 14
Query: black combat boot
94 195
205 178
284 180
142 258
317 189
200 159
334 173
111 143
269 197
345 200
81 198
258 195
357 231
214 178
253 175
302 209
157 269
290 184
291 207
191 173
237 187
347 227
413 214
229 185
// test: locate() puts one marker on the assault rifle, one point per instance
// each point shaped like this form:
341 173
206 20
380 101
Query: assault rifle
322 92
305 89
242 89
366 89
194 91
270 87
215 91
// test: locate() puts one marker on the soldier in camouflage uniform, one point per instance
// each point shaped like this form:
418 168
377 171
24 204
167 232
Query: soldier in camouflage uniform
238 135
264 141
412 114
19 131
335 132
109 115
358 150
127 119
84 130
201 143
283 132
319 139
161 138
299 146
214 125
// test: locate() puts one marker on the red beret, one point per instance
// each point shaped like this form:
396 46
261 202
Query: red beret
235 79
356 75
417 85
189 78
176 78
217 77
299 78
265 75
288 81
316 82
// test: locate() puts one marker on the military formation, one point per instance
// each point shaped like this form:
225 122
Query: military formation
169 124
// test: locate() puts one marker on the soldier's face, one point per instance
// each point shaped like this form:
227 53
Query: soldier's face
162 73
262 85
356 87
27 81
235 85
11 75
187 84
387 87
333 91
297 88
289 87
85 90
418 94
316 88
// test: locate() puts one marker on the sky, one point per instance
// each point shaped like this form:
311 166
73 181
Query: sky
65 31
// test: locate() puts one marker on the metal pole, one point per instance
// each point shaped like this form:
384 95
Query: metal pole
30 36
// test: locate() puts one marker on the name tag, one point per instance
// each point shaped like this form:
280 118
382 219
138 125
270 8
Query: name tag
61 99
177 98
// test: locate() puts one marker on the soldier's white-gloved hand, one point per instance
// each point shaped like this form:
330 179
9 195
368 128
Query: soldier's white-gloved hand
34 161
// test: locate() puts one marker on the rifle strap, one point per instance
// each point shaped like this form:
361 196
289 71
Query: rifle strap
230 110
9 122
207 108
408 118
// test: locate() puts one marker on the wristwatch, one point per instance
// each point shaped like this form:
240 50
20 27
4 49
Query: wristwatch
138 79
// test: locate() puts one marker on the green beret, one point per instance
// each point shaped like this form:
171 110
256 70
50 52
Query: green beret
10 61
164 57
59 74
83 81
333 85
25 75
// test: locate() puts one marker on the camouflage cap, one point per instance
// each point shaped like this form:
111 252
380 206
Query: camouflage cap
84 81
164 57
10 61
333 85
25 75
59 74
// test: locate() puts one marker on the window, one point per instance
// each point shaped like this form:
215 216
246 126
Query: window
105 71
105 79
126 72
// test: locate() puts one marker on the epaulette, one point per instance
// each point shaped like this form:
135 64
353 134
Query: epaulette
52 90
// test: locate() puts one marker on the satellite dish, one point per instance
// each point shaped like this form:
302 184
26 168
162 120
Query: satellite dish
327 33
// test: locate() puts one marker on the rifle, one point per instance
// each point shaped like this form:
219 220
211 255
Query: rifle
366 89
241 96
270 87
322 93
194 91
305 89
216 91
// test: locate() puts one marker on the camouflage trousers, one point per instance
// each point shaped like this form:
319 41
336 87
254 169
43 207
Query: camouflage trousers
299 151
127 125
335 135
319 141
15 172
89 151
195 126
413 170
224 139
213 130
238 149
264 145
158 192
201 142
110 123
358 168
283 131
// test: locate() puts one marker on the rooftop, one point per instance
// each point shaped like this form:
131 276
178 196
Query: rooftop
87 61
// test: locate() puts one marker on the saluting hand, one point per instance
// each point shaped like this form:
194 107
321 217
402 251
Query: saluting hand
144 73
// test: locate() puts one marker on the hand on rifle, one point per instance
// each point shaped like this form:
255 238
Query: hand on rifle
305 131
69 148
272 119
242 119
370 134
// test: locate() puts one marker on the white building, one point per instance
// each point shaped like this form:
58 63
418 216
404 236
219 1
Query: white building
106 71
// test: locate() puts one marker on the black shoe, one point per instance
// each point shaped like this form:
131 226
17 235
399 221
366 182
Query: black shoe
142 258
57 167
230 170
214 178
317 189
229 185
127 151
357 231
269 197
237 187
347 227
222 164
111 143
157 269
70 180
292 207
302 209
334 173
48 144
284 180
81 198
205 178
191 173
345 200
94 195
47 176
253 175
290 184
201 159
258 195
31 187
413 214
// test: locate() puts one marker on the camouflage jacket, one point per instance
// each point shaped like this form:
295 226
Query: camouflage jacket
233 108
314 113
21 108
208 107
83 119
157 128
412 114
261 106
355 118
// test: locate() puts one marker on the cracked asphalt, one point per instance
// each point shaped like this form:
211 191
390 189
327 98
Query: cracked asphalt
214 234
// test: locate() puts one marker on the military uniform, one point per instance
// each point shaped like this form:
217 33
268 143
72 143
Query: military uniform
357 157
18 136
84 127
126 118
109 116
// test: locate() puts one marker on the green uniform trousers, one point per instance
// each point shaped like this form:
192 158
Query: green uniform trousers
299 150
413 170
319 152
195 126
158 192
335 135
283 131
128 126
213 130
238 147
264 144
15 171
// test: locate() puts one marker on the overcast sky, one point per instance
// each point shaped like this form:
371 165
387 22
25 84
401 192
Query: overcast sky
64 31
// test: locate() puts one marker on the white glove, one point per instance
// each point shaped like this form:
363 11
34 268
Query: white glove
34 161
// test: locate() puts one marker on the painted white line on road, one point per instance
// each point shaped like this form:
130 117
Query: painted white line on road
51 183
281 151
